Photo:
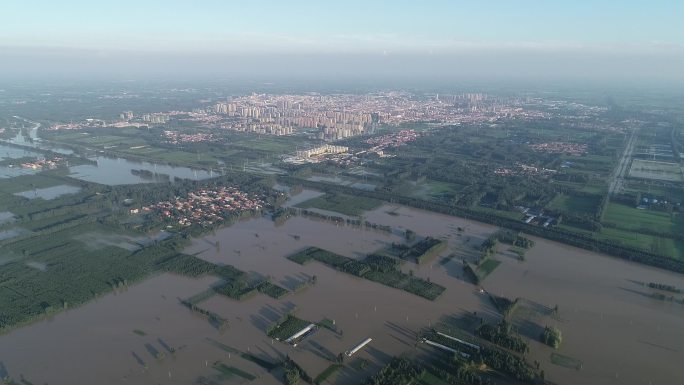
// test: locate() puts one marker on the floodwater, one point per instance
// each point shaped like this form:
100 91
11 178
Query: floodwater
10 152
11 233
608 319
97 240
49 192
11 172
620 335
116 171
6 217
35 141
343 182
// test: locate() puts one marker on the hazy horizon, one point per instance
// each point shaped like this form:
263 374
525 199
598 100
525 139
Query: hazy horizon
384 41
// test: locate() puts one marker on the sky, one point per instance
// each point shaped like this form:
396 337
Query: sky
503 38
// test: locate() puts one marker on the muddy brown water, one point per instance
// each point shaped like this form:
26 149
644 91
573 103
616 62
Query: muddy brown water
608 320
620 335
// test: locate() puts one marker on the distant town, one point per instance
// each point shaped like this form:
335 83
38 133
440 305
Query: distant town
327 117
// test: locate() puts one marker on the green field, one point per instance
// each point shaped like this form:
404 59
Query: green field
660 245
575 204
633 219
342 203
649 169
431 189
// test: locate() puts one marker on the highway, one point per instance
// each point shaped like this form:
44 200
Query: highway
620 172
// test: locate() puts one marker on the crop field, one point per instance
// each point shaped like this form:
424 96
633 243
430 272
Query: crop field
432 189
573 203
30 292
590 163
665 246
649 169
630 218
278 145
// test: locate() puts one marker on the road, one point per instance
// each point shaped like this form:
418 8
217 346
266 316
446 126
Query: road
620 172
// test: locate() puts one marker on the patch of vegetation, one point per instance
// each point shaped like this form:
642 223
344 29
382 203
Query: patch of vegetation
399 371
500 334
420 252
582 203
188 265
504 305
293 372
510 237
328 324
664 287
508 363
287 327
551 336
237 289
377 268
272 290
627 217
519 252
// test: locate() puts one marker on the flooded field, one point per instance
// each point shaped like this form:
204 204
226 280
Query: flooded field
11 233
118 338
11 172
97 240
343 182
6 217
115 171
49 192
34 140
603 309
10 152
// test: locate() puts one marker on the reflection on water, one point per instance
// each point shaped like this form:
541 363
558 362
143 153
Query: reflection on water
36 142
11 172
49 192
10 152
115 171
342 182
